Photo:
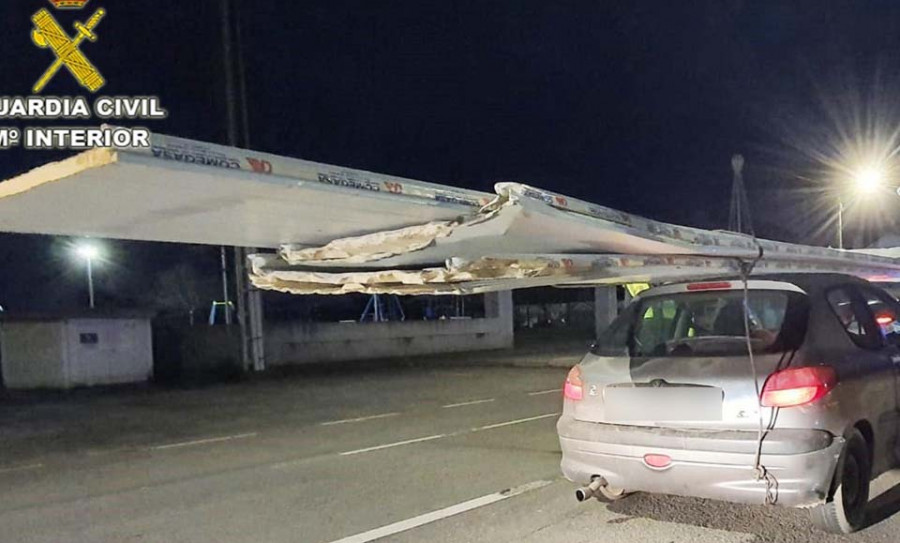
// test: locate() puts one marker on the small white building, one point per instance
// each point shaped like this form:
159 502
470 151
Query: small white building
75 350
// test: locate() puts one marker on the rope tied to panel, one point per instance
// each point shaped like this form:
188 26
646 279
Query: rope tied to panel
760 472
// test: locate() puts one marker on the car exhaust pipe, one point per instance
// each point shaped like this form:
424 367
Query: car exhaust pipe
589 491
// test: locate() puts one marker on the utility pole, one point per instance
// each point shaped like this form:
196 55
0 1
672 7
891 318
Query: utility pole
225 296
249 300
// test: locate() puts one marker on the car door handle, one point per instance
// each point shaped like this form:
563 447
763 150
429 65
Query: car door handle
895 358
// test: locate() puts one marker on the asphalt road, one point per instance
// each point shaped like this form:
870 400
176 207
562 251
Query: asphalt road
417 454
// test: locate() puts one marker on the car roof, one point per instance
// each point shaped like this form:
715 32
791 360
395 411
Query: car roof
807 282
814 281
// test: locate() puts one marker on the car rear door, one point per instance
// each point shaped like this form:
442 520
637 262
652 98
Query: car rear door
875 373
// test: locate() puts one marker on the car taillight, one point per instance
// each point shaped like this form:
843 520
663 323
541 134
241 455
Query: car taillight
797 386
884 320
715 285
573 389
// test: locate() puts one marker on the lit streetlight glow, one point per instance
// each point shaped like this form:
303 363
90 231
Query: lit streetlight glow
869 179
87 251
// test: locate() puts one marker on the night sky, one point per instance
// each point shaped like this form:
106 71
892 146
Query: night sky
637 105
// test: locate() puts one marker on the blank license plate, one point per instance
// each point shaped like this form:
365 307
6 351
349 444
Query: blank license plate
663 403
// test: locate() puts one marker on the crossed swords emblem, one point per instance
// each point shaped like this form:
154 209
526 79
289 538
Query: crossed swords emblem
47 32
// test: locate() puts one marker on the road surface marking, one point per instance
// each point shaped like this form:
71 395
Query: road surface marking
451 434
397 444
461 404
202 441
539 392
358 419
434 516
510 423
290 463
104 452
26 467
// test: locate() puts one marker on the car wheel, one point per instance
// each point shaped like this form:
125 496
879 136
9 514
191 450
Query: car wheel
611 493
845 512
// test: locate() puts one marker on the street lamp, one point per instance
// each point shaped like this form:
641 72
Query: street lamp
89 252
867 179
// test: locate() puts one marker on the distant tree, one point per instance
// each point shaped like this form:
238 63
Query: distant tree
182 288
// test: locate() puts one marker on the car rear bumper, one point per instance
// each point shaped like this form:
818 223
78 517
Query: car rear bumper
706 464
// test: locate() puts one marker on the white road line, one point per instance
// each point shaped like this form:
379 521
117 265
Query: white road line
461 404
389 445
358 419
451 434
550 391
511 422
440 514
104 452
26 467
201 441
288 463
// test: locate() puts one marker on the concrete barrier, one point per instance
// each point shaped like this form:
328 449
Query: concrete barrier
301 343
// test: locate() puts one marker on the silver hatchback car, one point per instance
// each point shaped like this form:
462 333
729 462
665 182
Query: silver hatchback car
667 402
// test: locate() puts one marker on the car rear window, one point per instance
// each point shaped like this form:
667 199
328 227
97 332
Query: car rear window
709 323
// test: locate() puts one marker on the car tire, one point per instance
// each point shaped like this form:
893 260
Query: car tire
845 510
611 493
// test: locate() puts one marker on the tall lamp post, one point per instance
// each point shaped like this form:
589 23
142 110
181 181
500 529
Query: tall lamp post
840 223
89 252
865 181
